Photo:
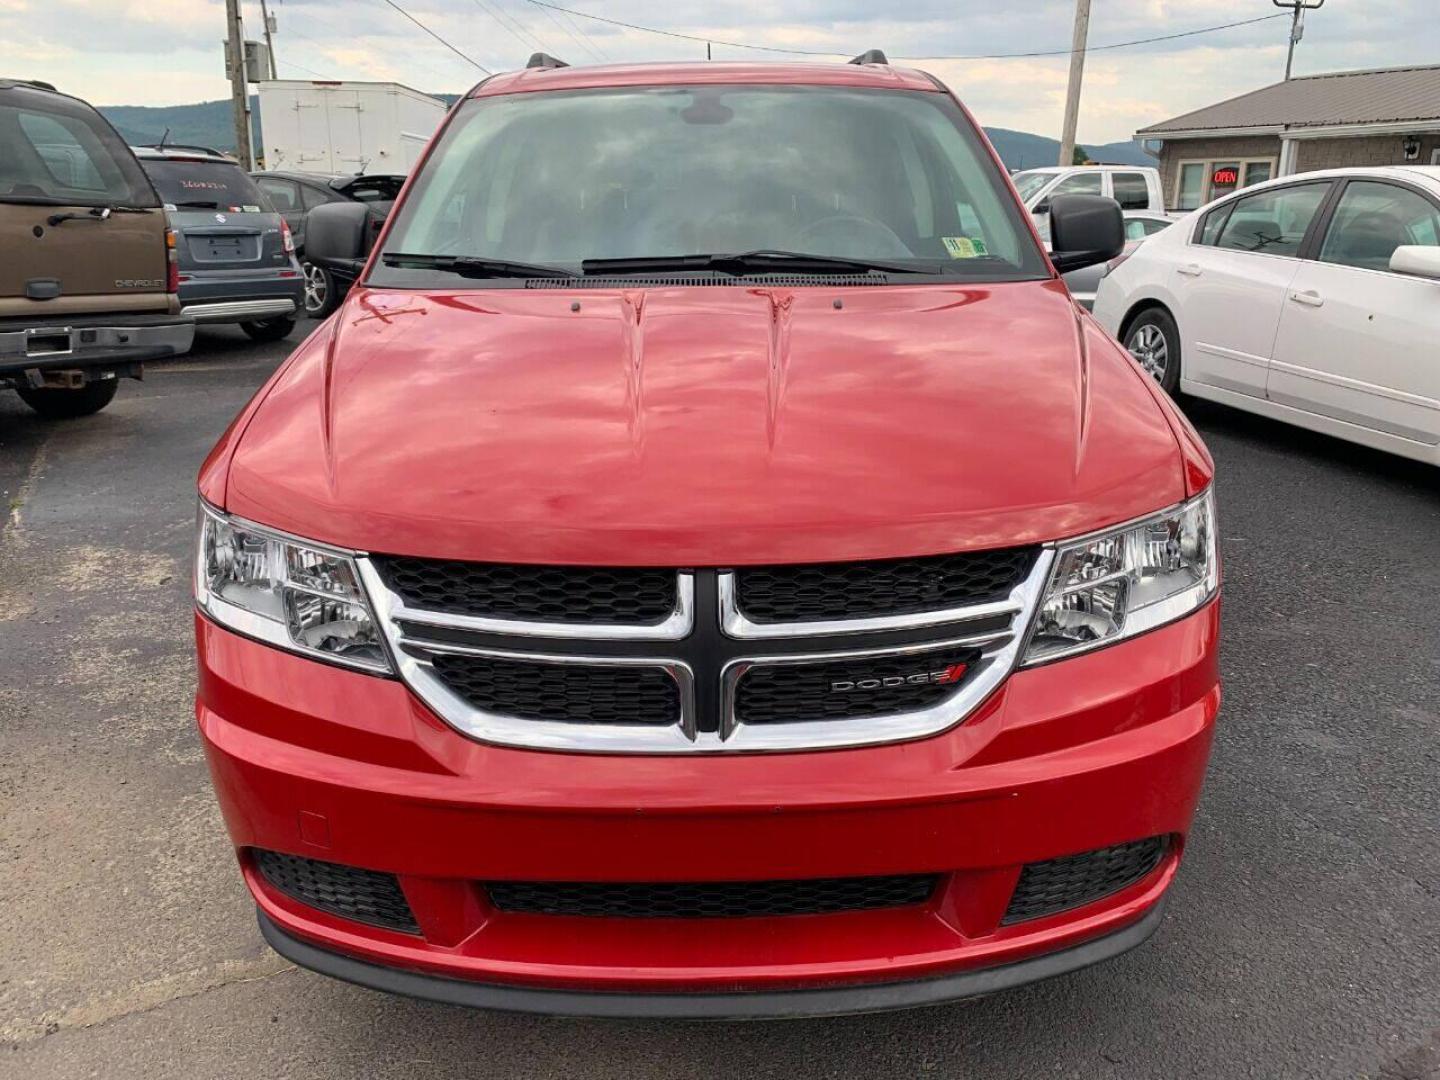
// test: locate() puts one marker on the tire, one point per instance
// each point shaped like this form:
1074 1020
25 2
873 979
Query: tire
1153 339
321 296
269 329
56 404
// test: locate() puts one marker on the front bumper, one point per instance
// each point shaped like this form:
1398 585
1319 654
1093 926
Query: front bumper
214 296
91 341
336 766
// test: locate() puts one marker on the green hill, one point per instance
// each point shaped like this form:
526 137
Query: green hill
207 123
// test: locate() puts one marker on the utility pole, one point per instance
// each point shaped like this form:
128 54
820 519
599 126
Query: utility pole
1297 25
239 91
269 25
1077 72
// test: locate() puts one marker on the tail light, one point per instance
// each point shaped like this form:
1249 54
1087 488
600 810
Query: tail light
172 263
287 238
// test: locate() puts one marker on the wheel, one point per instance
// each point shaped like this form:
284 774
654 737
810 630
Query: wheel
269 329
57 404
1153 339
320 291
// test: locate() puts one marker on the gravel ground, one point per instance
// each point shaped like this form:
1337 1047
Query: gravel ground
1302 938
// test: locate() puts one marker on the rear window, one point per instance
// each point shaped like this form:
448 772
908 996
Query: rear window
56 150
206 185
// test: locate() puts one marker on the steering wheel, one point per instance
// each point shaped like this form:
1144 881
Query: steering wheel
849 234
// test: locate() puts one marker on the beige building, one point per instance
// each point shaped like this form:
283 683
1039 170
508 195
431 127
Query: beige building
1389 116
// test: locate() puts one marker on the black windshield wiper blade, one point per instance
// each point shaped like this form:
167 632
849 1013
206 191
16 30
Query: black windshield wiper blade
199 204
473 265
750 262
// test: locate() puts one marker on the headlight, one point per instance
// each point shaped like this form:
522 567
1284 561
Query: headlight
1115 585
284 592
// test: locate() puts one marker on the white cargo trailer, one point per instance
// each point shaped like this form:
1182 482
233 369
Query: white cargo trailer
345 127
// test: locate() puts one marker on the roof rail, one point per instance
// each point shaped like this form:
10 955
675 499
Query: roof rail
192 147
38 84
544 60
871 56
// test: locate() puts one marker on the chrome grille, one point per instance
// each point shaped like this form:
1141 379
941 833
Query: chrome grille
707 678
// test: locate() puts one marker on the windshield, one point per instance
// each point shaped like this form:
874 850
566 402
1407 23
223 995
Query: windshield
205 185
559 178
1028 183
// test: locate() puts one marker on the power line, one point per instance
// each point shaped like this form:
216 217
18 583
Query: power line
302 67
581 30
971 56
515 30
437 37
565 28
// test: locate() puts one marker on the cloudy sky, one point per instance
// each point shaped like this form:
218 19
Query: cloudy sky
166 52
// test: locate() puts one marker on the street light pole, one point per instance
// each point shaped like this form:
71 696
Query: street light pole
266 21
1077 72
1297 26
239 91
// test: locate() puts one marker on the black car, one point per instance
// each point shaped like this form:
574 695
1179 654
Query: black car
295 194
236 256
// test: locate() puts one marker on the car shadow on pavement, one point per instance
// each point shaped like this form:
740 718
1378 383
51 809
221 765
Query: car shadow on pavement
1261 434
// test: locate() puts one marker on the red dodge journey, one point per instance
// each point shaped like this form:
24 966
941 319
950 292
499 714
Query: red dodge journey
708 566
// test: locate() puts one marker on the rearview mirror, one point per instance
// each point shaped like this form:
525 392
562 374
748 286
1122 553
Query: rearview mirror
1417 260
335 232
1084 230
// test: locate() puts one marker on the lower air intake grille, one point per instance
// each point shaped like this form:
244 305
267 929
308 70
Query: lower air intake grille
842 689
711 900
582 693
861 590
563 594
1055 885
366 896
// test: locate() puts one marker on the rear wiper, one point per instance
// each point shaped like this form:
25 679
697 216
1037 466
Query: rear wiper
763 261
473 265
198 205
95 213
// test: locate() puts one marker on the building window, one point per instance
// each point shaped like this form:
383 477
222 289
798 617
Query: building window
1200 182
1191 190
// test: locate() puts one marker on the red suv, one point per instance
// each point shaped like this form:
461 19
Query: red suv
708 566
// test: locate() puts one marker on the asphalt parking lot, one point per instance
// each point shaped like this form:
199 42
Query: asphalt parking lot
1302 937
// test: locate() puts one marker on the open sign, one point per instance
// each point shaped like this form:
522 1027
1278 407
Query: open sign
1226 177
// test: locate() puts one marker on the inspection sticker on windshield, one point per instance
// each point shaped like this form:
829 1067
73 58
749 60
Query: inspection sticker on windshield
964 247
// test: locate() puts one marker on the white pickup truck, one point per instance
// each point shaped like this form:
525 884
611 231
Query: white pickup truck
1134 187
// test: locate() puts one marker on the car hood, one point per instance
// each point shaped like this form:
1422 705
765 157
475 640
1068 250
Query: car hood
703 425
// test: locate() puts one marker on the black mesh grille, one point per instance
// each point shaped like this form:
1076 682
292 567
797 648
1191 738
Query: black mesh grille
841 689
1060 884
583 693
862 590
366 896
710 900
564 594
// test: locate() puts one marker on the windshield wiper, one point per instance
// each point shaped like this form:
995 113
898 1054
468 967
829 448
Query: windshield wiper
473 265
762 261
198 205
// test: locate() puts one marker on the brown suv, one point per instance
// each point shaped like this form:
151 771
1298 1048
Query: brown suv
88 280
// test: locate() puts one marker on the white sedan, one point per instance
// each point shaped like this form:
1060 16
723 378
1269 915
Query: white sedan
1313 299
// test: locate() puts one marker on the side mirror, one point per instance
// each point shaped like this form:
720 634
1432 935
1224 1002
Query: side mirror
1416 260
335 232
1084 230
1041 207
